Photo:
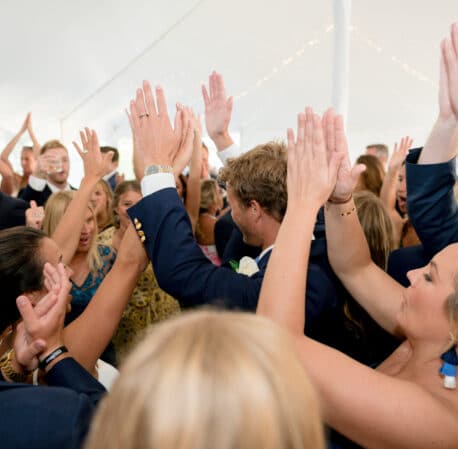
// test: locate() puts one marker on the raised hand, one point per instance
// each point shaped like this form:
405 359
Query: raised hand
218 111
34 215
157 141
448 86
311 174
96 164
399 154
336 142
26 123
442 142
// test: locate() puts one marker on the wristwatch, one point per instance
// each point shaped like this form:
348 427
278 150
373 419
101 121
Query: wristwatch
7 368
153 169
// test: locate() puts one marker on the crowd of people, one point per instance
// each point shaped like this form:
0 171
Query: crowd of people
329 291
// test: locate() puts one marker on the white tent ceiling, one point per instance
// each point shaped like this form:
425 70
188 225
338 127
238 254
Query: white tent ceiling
78 63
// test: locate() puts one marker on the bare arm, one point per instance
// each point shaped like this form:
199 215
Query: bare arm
96 164
373 409
5 154
89 334
7 185
137 159
388 191
310 179
348 250
370 408
36 145
195 167
442 142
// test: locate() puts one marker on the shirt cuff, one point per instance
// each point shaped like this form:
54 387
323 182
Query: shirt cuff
231 152
38 184
157 181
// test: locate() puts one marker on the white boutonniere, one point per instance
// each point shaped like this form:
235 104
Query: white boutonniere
247 266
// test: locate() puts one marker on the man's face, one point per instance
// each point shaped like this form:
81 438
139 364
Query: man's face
59 176
242 217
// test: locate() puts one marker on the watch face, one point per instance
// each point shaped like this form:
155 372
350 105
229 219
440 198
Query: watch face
152 169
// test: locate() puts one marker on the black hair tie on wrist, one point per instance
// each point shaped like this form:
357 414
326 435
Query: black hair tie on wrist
50 357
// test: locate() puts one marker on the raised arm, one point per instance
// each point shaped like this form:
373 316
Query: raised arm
430 179
195 167
348 250
5 154
96 164
441 145
36 145
7 176
137 159
218 111
310 180
388 191
89 334
384 412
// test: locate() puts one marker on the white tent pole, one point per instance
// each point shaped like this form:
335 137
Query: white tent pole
342 18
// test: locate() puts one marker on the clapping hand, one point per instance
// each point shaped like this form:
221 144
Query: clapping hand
336 142
311 173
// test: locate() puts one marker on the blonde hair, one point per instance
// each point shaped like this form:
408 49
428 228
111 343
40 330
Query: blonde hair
208 380
108 206
377 226
208 193
51 144
372 178
54 211
260 174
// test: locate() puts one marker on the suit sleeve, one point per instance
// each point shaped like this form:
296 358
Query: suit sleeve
45 417
12 211
182 270
431 202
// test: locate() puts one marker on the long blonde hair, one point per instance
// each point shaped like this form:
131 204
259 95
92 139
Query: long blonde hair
208 380
54 211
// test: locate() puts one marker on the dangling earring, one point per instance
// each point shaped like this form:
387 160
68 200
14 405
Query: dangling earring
448 368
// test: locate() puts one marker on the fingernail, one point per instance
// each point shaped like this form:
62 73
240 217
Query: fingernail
21 301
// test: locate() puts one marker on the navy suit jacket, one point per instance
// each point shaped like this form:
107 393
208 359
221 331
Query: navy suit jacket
12 211
431 202
49 417
183 271
40 197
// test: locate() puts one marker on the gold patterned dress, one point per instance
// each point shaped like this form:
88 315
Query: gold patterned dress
148 305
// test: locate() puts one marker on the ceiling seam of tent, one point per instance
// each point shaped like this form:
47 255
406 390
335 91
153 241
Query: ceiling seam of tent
133 61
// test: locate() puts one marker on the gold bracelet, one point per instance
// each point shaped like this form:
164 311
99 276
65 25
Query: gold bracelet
348 212
7 368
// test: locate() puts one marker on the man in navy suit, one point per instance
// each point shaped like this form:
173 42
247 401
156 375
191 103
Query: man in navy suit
256 185
54 416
